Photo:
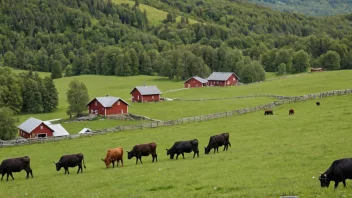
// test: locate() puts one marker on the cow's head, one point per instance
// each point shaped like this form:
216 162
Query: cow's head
129 155
58 166
324 180
107 162
206 150
168 152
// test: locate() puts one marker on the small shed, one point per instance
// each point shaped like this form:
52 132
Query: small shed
108 105
223 79
145 94
195 81
85 130
316 69
32 128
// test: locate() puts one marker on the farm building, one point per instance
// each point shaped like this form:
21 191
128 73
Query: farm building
316 69
145 94
107 105
195 81
222 79
33 127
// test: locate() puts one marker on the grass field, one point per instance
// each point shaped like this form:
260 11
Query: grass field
180 109
293 86
155 16
270 156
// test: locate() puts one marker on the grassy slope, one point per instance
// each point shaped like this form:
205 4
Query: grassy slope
155 15
293 86
270 156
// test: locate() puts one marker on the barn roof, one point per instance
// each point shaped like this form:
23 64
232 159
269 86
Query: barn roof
147 90
58 130
30 124
107 101
202 80
222 76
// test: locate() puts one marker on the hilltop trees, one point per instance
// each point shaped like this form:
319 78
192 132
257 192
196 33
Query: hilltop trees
8 123
27 92
77 98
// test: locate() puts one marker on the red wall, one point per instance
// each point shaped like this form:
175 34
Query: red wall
192 83
42 128
232 80
95 105
116 108
151 98
136 96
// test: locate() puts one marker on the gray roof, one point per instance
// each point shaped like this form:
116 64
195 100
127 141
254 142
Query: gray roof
202 80
30 124
107 101
147 90
221 76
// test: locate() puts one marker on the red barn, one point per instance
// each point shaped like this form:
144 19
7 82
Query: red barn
195 81
145 94
222 79
33 127
107 105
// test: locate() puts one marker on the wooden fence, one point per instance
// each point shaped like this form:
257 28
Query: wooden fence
200 118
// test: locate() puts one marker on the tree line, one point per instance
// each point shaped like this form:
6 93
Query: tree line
80 37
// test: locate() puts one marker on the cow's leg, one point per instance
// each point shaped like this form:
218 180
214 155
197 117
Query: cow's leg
140 159
68 172
136 159
344 183
7 176
176 156
194 154
30 171
2 176
79 168
156 157
113 164
12 176
336 184
121 162
183 155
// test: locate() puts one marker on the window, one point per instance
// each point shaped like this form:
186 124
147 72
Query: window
41 127
137 97
96 103
118 103
152 97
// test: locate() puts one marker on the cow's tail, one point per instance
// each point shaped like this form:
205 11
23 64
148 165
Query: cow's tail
84 165
229 143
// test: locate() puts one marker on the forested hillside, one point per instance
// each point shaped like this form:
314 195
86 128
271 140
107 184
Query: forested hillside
76 37
310 7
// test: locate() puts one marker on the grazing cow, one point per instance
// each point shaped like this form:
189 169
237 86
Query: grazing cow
140 150
182 147
115 154
218 140
268 112
318 103
8 166
291 112
72 160
339 171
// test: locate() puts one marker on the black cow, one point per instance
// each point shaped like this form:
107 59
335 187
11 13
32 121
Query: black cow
72 160
218 140
318 103
182 147
268 112
140 150
339 171
8 166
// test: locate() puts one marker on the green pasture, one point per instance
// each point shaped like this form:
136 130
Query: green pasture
155 16
75 127
169 110
103 85
292 86
270 156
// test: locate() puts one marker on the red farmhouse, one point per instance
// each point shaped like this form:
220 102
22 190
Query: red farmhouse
222 79
145 94
33 127
107 105
195 81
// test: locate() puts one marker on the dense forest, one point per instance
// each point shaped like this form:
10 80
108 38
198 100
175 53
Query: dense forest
310 7
76 37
